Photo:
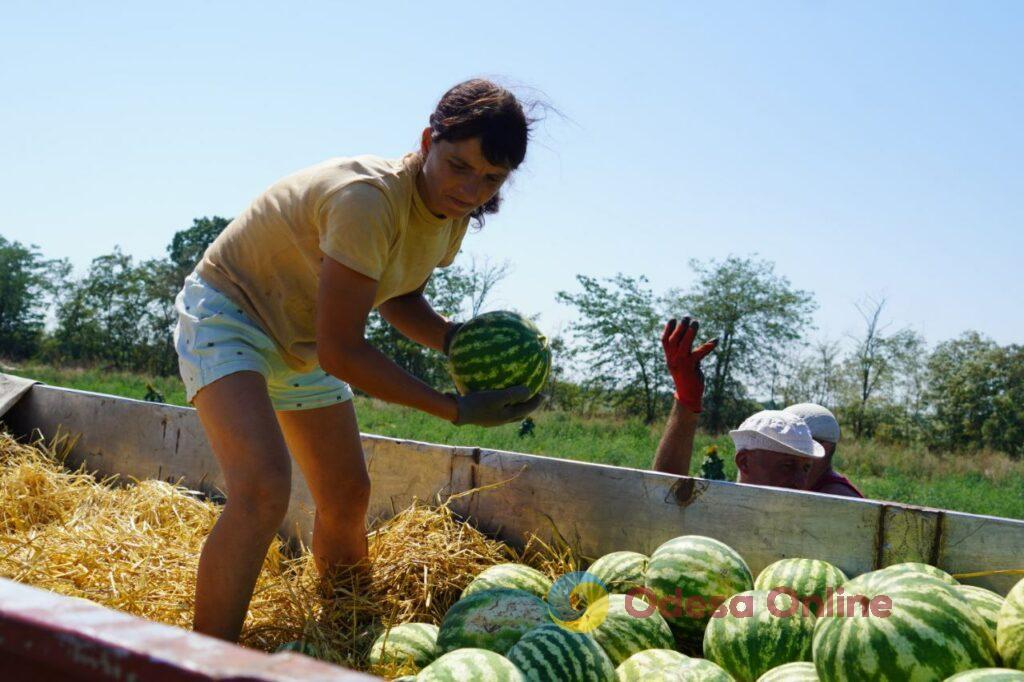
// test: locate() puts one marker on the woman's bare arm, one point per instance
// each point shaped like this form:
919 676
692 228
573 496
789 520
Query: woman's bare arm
344 301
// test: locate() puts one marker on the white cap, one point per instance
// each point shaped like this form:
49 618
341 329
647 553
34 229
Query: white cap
777 431
822 422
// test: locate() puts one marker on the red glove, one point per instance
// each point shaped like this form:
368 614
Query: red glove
684 361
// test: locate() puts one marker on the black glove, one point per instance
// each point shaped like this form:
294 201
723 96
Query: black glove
453 329
494 408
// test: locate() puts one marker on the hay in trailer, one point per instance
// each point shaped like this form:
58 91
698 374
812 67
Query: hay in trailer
134 546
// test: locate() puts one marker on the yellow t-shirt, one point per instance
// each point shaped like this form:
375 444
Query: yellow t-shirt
363 211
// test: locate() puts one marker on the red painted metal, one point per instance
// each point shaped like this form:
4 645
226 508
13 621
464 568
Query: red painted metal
46 636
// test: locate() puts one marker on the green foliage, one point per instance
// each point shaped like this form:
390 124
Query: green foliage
755 314
712 468
976 389
26 282
619 330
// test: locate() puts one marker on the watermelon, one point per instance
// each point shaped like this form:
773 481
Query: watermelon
470 664
689 576
550 652
1010 631
988 675
758 630
620 571
923 568
414 643
499 349
667 665
930 631
630 625
492 619
511 576
986 602
791 672
807 578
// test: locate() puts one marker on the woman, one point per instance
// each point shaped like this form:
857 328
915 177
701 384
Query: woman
271 332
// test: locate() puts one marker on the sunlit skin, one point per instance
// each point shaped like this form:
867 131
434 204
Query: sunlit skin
457 178
764 467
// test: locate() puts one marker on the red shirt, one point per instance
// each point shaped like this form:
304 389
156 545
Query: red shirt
834 478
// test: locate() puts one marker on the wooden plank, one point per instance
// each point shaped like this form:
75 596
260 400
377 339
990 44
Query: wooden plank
972 543
908 534
597 508
44 635
601 509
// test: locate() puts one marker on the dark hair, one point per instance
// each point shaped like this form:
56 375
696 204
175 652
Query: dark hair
484 109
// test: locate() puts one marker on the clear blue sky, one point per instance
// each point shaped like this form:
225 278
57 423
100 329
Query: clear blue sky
866 148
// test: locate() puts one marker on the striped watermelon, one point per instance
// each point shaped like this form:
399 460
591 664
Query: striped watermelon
923 568
988 675
930 633
470 664
620 571
760 630
414 643
630 625
511 576
499 349
694 570
791 672
986 602
667 665
492 619
807 578
1010 631
550 652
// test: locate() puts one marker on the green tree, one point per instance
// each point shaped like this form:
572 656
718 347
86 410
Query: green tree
976 393
618 341
27 281
755 314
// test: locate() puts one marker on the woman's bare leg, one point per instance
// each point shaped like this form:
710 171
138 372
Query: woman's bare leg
238 418
325 443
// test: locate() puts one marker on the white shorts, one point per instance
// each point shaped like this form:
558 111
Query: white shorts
214 338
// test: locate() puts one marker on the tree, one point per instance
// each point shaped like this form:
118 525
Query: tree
26 282
875 366
755 314
619 328
976 392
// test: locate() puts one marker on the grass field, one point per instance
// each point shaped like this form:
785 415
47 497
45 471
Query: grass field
980 482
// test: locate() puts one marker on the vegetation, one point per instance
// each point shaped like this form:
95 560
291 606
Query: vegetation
941 425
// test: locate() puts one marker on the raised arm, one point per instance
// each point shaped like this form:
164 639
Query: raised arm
676 447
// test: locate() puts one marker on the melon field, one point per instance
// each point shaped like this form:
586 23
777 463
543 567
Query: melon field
976 482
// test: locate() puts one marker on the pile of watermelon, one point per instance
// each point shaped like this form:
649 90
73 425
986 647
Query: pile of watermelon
692 610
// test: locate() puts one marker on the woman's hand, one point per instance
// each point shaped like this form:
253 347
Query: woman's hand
493 408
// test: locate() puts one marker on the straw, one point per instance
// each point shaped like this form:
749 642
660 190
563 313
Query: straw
134 546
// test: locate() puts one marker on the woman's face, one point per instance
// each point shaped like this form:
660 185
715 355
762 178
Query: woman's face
457 179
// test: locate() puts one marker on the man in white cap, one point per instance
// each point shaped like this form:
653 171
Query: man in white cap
775 448
786 449
772 448
825 430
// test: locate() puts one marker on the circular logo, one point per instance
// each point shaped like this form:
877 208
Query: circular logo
574 601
